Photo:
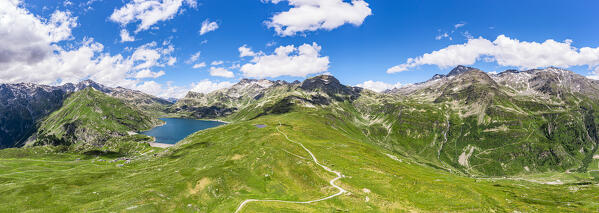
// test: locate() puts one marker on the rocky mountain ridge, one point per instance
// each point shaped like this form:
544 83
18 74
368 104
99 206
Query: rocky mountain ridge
467 121
496 124
22 105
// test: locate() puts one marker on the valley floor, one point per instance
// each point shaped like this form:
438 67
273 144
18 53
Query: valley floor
217 169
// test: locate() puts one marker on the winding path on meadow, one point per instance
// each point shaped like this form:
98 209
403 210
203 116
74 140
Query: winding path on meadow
332 182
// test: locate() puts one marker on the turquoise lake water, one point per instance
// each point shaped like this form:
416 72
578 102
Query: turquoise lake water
176 129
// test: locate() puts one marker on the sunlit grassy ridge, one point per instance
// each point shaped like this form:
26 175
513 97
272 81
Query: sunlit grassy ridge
90 118
216 169
468 123
469 149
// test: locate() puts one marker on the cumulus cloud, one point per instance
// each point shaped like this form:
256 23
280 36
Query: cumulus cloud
149 74
221 72
215 63
245 51
26 38
148 12
458 25
172 91
171 61
311 15
199 65
31 53
595 74
287 61
125 36
149 55
378 86
164 91
207 86
208 26
506 51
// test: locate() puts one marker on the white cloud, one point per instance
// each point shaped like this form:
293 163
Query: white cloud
458 25
125 36
221 72
312 15
287 61
468 35
595 74
163 91
208 26
171 61
272 43
30 53
215 63
193 57
171 91
378 86
206 86
506 51
192 3
199 65
26 38
441 36
245 51
146 73
146 55
148 12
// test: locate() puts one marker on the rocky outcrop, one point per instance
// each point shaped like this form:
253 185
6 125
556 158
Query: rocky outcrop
21 106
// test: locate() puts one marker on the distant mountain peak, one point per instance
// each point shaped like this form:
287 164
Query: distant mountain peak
509 71
90 83
260 82
328 84
460 69
321 82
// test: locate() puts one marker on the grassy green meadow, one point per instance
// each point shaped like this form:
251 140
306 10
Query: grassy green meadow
216 169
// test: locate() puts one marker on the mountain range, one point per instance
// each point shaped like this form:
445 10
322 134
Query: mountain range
467 121
456 131
24 105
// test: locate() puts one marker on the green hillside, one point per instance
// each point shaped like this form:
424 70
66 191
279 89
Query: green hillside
466 142
90 118
467 124
217 169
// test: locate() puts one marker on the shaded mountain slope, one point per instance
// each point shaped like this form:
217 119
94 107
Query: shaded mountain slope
21 106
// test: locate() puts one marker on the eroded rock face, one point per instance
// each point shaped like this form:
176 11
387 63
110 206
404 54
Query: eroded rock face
21 106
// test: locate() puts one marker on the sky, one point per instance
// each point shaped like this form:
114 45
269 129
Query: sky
169 47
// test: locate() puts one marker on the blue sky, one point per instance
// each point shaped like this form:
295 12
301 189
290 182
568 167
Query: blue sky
359 41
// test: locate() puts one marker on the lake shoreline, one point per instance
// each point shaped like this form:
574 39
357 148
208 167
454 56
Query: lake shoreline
160 145
225 122
174 130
